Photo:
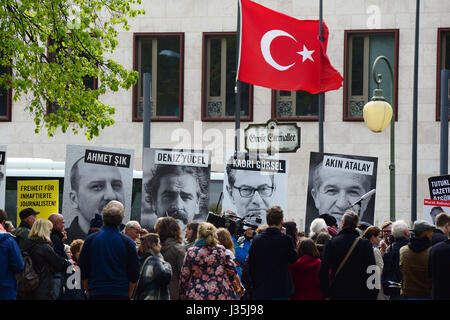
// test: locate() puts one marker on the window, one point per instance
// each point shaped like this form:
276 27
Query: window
362 47
161 55
442 63
5 98
295 106
219 79
90 83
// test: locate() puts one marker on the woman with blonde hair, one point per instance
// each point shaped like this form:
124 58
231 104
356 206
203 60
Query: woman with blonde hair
45 261
208 270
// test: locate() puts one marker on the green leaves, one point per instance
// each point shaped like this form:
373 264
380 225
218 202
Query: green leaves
56 49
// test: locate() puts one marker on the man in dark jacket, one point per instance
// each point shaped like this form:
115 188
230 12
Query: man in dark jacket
11 262
27 219
438 267
108 260
57 236
269 257
416 283
351 281
391 277
440 233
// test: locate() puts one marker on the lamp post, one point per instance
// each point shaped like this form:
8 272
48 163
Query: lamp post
377 114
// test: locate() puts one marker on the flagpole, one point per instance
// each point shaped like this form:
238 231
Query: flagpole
237 88
321 95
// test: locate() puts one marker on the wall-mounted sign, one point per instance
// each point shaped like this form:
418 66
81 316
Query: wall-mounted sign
272 137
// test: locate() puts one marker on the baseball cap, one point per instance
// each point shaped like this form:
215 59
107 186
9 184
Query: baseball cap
25 213
422 225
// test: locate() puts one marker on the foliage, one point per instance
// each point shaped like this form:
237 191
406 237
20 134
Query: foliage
53 48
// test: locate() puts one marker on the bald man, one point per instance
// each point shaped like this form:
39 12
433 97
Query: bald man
92 188
58 236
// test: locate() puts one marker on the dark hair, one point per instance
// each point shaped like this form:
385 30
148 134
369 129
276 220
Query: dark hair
329 219
3 216
168 227
442 219
74 174
193 225
231 175
307 246
291 229
350 219
152 186
274 215
323 238
147 242
371 231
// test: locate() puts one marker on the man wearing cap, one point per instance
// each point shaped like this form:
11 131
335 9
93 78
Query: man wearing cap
416 283
332 224
27 219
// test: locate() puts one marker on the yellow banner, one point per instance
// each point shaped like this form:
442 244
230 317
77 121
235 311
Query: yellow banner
41 195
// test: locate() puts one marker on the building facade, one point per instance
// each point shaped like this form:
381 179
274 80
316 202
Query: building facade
189 47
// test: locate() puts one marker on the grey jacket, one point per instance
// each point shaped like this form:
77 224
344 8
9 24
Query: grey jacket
174 252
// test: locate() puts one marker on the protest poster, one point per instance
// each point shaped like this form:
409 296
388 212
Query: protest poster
93 177
2 176
41 195
175 183
431 208
252 183
336 182
439 187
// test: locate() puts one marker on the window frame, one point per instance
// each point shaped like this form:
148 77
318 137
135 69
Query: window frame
7 117
347 34
136 36
440 42
249 118
294 118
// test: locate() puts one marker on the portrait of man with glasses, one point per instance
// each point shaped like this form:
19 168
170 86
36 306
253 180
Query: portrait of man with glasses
251 191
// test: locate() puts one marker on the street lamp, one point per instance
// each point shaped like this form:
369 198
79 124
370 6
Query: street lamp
377 114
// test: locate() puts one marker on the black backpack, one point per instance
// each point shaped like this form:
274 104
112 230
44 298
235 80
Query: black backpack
28 279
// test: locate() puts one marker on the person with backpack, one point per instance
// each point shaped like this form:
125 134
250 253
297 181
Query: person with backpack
27 218
36 281
11 262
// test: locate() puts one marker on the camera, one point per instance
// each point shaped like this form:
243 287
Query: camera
234 224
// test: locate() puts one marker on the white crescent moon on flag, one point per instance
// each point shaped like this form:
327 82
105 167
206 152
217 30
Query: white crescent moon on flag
266 40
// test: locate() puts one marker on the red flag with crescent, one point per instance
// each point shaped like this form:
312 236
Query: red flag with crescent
283 53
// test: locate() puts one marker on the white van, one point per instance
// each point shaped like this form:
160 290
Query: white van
18 169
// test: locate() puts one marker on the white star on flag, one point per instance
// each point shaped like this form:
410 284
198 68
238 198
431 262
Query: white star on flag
306 54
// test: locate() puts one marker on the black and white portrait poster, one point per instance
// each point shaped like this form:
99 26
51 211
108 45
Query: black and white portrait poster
439 187
2 176
252 183
336 182
431 209
175 183
93 177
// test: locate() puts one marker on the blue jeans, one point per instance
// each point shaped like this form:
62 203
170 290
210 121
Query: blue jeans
57 284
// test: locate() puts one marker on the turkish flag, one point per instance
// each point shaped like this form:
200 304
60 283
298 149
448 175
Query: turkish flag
284 53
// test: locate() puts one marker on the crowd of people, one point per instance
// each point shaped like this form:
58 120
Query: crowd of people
334 260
